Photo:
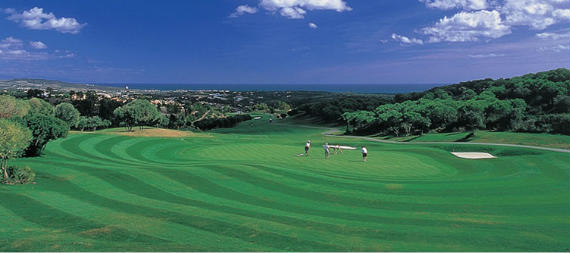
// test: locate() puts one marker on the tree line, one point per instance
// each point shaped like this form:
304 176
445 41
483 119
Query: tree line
531 103
26 126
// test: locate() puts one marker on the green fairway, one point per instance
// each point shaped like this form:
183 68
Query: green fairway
533 139
245 189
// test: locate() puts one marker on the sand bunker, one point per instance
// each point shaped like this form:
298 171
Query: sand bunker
473 155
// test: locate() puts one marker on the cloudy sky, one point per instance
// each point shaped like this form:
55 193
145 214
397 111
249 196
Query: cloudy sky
282 41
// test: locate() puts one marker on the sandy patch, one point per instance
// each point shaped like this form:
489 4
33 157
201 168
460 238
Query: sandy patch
97 231
394 186
157 132
473 155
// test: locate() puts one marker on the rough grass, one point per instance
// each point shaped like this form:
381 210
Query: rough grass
148 132
532 139
245 189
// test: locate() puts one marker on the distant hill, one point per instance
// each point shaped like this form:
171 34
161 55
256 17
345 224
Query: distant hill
56 85
528 84
538 103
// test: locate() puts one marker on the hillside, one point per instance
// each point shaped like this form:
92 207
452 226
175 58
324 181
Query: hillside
537 103
24 84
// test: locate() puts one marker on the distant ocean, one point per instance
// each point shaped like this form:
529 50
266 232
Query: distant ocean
354 88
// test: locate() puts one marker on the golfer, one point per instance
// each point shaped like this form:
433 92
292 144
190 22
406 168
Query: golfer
327 152
364 153
307 147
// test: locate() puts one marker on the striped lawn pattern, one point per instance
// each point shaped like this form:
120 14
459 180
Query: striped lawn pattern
244 189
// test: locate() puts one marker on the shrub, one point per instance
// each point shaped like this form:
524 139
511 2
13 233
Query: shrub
21 175
207 124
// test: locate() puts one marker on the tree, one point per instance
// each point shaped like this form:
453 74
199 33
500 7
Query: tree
138 112
441 113
67 113
12 107
35 93
14 139
162 121
44 128
92 123
107 106
40 106
261 107
87 105
471 114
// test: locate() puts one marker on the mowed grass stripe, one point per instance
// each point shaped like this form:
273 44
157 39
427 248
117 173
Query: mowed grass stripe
359 201
194 203
225 194
442 239
158 195
156 227
26 208
403 188
388 192
206 224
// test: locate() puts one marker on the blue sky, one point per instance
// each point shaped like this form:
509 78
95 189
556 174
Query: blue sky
282 41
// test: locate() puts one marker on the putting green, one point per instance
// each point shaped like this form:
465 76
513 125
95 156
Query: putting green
245 189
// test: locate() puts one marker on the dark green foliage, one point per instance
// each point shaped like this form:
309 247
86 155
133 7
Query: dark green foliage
67 113
138 112
14 139
20 175
162 121
34 93
44 128
86 103
92 123
106 108
532 103
331 110
40 106
176 121
211 123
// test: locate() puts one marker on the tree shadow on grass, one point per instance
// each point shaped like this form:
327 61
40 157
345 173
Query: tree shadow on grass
466 138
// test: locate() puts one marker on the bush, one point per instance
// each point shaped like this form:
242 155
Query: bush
23 175
207 124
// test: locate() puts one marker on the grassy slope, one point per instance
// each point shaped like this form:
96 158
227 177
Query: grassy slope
541 140
147 132
245 189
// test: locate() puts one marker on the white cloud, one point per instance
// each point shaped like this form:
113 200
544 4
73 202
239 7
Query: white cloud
468 26
12 49
491 19
491 55
537 14
38 45
243 9
557 48
11 42
296 9
37 19
406 40
552 36
293 12
562 14
451 4
313 25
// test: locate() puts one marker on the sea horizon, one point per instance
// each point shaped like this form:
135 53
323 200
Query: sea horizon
338 88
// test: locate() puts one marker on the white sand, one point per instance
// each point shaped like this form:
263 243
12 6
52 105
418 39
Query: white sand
473 155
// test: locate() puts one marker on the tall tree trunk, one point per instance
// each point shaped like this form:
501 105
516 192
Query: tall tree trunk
4 164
